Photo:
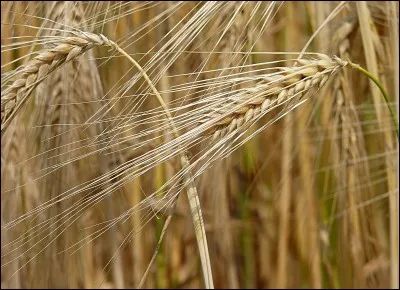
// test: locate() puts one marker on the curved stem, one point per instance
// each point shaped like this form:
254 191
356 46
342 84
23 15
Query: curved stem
383 91
191 190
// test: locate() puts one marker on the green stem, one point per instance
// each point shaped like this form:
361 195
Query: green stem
383 91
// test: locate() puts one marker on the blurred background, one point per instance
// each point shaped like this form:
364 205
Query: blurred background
311 201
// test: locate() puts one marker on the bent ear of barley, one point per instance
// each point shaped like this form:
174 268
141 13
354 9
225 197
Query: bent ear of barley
37 69
293 82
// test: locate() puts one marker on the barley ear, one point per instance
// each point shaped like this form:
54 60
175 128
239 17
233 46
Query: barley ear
40 67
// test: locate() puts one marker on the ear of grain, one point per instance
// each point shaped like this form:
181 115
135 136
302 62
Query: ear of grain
47 60
293 82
